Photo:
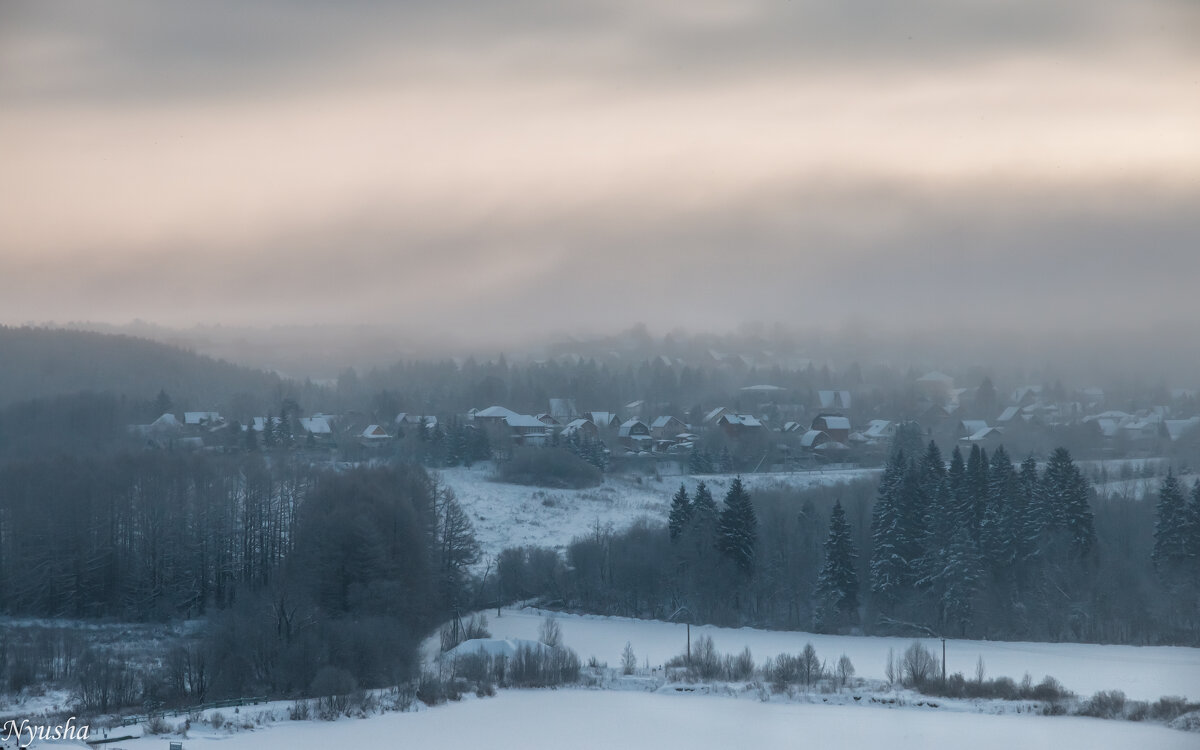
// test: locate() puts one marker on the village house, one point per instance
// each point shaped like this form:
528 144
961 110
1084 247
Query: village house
835 426
666 428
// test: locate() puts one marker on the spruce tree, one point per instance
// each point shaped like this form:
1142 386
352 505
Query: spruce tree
959 579
977 489
681 513
998 532
1066 498
1033 519
959 499
1171 526
1192 517
737 528
838 581
887 565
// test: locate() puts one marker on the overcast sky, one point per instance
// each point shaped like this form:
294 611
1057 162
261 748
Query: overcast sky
527 166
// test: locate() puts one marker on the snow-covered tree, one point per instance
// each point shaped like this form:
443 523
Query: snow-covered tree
1171 527
887 563
737 528
681 513
837 584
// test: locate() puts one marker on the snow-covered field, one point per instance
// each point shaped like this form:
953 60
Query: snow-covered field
508 515
580 719
1143 673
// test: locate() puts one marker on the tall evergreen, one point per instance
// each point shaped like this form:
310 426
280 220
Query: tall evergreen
838 581
704 508
1000 527
977 489
1034 517
1192 516
932 468
887 563
1171 527
959 499
681 513
911 506
1066 496
959 581
737 528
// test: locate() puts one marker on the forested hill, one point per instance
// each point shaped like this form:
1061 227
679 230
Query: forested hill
42 362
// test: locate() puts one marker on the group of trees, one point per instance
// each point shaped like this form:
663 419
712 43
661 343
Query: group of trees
976 547
294 569
945 538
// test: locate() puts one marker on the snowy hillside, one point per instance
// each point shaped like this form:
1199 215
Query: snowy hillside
1143 673
508 515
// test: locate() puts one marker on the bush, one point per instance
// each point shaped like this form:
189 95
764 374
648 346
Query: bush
158 725
1050 689
549 467
740 667
300 711
918 665
1106 704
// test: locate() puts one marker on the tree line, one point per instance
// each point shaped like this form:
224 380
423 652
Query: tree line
974 547
294 570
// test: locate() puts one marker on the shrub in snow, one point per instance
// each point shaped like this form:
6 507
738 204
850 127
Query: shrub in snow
628 659
1106 704
918 665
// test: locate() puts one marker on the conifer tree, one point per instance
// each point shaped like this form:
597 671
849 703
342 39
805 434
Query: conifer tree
887 564
681 513
959 499
1171 526
959 581
999 531
1192 517
838 581
737 527
977 488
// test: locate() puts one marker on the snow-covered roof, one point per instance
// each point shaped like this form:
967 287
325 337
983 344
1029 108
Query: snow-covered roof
745 420
576 425
374 432
878 428
602 418
626 429
811 437
1177 427
200 417
972 426
663 422
792 426
166 420
1008 414
523 420
835 423
714 414
495 412
1111 414
763 388
315 425
982 434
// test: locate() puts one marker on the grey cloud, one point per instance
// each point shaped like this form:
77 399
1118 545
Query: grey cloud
174 49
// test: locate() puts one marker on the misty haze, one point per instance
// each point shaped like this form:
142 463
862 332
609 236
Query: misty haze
552 375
